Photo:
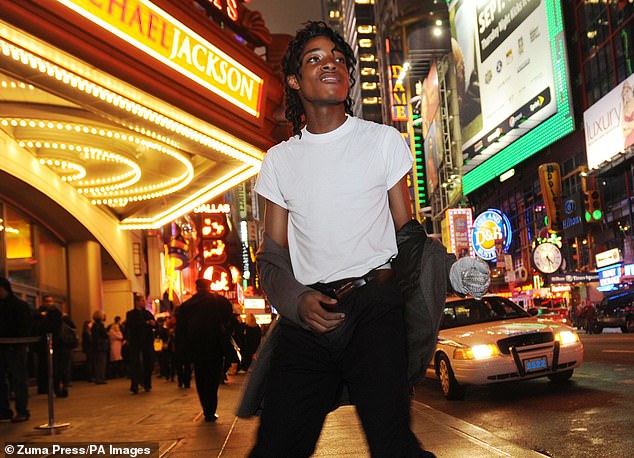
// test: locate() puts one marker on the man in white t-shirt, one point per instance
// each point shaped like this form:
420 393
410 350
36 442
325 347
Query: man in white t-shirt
336 194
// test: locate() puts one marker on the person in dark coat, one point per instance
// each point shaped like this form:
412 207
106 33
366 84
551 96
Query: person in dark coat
250 341
182 365
204 320
39 348
140 325
100 346
52 324
15 322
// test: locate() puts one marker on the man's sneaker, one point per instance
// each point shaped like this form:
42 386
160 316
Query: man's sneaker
20 418
6 416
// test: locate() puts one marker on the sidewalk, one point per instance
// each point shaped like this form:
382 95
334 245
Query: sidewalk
172 417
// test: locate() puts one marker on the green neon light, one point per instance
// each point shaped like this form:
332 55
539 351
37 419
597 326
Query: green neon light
549 131
597 215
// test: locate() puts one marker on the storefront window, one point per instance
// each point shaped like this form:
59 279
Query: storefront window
19 248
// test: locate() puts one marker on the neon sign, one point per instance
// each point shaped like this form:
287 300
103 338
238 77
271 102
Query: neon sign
218 276
213 208
153 31
227 7
490 226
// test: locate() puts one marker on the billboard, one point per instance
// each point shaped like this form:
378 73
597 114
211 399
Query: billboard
609 124
512 81
460 229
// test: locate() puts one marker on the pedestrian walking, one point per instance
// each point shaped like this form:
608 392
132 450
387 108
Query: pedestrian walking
139 327
204 320
250 341
182 365
15 322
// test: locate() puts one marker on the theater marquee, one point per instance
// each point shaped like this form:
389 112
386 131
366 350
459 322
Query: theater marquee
155 32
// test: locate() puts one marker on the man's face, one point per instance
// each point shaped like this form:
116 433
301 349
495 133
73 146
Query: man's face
324 75
139 303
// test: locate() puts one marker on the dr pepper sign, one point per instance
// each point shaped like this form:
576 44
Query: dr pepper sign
550 182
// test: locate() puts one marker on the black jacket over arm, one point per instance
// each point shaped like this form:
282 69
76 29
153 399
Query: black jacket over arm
422 268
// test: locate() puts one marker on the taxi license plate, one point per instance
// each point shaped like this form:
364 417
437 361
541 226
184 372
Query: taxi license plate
535 364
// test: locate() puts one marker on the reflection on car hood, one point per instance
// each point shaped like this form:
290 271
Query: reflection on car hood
492 331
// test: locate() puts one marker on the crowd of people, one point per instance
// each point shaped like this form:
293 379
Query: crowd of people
139 347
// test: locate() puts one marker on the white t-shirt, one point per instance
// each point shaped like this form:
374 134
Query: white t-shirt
334 186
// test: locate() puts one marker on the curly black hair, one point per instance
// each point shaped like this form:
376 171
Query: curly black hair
292 62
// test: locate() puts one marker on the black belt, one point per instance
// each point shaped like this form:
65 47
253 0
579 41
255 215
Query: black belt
339 289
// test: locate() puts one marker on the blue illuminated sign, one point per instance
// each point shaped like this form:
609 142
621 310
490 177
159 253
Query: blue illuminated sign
489 227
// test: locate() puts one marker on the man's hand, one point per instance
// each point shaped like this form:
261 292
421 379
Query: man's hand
470 275
313 311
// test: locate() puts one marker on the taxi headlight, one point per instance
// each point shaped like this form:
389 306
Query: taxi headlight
567 337
476 352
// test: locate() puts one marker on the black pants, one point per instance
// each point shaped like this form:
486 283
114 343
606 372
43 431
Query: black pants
100 365
61 358
367 354
207 375
13 376
140 365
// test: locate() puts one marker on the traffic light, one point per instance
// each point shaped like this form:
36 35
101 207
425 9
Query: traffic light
592 206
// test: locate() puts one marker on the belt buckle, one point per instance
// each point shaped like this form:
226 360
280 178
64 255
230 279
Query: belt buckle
348 287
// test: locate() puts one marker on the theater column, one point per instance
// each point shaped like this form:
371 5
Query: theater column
85 280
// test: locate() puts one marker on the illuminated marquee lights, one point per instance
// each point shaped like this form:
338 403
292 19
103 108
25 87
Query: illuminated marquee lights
114 189
207 193
77 82
69 171
201 132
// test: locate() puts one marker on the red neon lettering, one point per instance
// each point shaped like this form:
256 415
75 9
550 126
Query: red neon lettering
150 26
232 9
163 35
123 5
136 19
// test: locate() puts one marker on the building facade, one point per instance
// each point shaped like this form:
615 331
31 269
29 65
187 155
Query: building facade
119 118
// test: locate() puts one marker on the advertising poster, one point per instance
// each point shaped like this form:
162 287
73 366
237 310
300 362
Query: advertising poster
609 124
460 228
433 152
508 81
430 112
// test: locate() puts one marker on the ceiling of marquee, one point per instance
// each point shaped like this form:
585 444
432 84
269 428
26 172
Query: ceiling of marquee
122 149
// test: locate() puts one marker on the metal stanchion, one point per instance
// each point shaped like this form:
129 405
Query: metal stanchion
51 415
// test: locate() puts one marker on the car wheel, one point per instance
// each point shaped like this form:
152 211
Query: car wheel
450 386
560 377
629 325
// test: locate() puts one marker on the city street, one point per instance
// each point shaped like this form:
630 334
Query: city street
588 417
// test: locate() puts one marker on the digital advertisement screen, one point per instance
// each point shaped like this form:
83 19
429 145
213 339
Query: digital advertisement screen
512 82
609 124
